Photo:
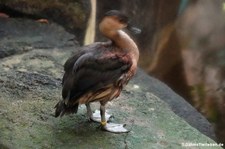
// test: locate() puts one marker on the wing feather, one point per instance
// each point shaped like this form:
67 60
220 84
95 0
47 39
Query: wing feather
92 71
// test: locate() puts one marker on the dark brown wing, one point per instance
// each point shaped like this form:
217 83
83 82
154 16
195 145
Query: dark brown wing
92 71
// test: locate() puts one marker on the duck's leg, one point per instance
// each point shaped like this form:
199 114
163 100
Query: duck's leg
89 111
111 127
96 117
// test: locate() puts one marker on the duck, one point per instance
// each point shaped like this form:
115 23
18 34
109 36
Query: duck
98 72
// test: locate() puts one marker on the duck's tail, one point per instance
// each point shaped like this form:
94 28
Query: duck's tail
61 108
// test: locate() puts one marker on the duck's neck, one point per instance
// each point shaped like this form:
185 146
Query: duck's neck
123 41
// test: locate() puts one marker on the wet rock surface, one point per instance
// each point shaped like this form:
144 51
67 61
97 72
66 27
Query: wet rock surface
31 86
71 14
16 37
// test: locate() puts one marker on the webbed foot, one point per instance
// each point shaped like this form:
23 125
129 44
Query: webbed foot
115 128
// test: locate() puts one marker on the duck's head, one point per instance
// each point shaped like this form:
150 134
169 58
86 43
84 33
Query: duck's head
115 20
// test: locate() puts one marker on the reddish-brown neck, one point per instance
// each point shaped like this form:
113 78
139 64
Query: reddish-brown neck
122 40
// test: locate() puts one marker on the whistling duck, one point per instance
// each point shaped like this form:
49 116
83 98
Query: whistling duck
99 71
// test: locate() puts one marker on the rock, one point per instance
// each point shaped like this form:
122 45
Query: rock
31 86
71 14
16 40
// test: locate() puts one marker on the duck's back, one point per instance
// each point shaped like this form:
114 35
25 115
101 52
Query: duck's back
96 72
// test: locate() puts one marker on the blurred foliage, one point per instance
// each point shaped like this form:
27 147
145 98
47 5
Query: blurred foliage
202 32
223 6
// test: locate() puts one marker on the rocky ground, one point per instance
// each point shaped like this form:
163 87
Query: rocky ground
30 78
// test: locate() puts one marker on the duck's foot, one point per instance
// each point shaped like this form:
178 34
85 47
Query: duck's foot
96 116
115 128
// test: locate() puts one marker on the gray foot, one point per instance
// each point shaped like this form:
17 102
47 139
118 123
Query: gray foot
115 128
96 116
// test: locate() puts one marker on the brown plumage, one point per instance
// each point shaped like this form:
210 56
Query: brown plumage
98 72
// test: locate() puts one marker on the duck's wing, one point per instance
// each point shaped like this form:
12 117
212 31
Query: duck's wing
93 71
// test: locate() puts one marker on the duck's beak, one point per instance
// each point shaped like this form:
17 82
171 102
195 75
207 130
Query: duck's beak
133 29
